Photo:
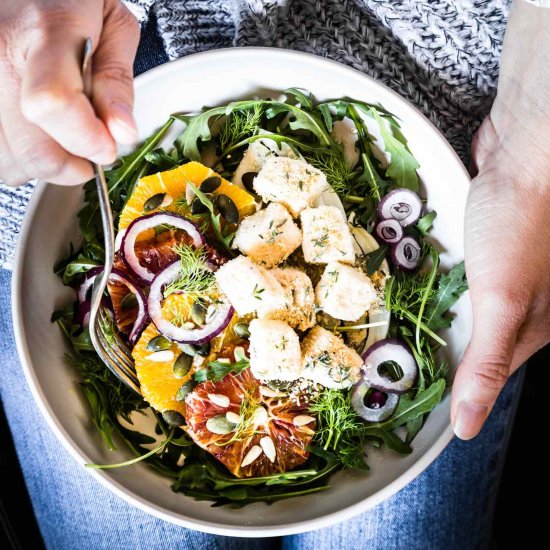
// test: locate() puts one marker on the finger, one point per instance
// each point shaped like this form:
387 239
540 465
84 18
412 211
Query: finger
34 153
113 73
52 95
10 174
483 142
486 364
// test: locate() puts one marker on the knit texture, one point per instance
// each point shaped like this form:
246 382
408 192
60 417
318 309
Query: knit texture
442 55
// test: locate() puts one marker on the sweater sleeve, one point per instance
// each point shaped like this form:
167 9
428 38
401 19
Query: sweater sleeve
140 8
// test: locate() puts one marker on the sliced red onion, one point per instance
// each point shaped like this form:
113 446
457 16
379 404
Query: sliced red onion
215 323
389 231
150 222
396 351
119 238
402 205
406 254
86 285
376 408
142 318
82 315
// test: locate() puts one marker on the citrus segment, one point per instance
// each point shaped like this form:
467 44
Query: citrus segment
264 441
158 383
172 184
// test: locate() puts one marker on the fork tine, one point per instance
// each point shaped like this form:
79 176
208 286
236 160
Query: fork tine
115 367
121 350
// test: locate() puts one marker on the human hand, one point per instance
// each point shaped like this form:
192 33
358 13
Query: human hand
507 225
47 126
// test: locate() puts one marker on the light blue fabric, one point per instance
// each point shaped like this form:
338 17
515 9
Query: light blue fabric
447 507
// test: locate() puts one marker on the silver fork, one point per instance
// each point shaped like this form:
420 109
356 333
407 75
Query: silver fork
112 350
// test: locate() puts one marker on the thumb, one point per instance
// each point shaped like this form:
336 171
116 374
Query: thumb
485 366
113 72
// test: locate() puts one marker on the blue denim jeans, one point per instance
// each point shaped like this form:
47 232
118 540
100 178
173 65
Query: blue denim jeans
447 507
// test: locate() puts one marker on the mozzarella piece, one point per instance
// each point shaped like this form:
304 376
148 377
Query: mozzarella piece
269 236
345 292
328 361
256 155
250 287
274 351
291 182
297 285
326 236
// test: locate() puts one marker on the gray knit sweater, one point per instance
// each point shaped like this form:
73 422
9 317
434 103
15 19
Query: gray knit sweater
442 55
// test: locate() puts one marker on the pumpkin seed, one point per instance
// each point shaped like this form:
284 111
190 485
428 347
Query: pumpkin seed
210 184
248 181
198 313
182 365
185 390
158 343
203 350
153 202
129 301
241 330
220 425
227 209
188 348
174 418
197 207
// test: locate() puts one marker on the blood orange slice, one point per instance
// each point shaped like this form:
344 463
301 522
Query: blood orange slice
268 433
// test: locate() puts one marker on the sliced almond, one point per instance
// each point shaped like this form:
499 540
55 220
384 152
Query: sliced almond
167 200
223 360
269 448
303 419
181 460
251 455
239 353
161 356
260 416
266 391
233 417
219 399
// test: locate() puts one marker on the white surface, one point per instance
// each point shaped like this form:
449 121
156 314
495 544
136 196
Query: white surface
189 84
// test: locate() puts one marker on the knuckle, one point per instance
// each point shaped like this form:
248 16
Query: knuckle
41 102
45 160
492 373
117 73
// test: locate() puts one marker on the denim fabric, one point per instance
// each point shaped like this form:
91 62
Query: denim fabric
446 507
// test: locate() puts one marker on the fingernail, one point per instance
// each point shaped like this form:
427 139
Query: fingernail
121 123
105 157
469 419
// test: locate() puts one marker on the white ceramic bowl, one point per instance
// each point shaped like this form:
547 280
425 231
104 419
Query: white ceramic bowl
210 79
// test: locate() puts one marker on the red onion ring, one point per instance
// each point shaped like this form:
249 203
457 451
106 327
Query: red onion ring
89 279
402 205
384 351
201 335
382 411
150 222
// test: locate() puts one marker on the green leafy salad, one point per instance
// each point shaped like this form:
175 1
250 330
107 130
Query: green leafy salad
276 284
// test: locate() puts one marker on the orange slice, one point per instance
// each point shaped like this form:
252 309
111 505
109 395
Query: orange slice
173 184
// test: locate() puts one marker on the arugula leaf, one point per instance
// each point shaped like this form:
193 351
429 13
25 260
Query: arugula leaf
425 223
375 258
403 166
392 440
450 286
199 129
304 97
302 120
217 370
163 160
410 408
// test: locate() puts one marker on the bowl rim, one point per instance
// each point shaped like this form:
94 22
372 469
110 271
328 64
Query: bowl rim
113 485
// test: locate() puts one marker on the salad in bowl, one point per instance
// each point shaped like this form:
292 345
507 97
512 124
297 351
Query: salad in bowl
275 281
